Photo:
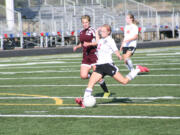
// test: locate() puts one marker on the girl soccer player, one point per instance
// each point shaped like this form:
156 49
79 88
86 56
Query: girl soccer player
129 42
89 45
105 65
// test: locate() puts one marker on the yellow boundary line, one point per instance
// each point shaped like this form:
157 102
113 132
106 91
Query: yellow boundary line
57 100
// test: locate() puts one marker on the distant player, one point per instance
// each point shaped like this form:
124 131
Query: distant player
129 42
89 45
105 65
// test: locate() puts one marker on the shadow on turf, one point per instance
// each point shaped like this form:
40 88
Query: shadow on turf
115 100
101 94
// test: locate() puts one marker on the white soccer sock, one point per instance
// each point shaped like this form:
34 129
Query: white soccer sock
89 75
129 64
133 74
87 92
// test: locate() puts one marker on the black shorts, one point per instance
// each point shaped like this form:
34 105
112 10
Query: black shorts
106 69
131 49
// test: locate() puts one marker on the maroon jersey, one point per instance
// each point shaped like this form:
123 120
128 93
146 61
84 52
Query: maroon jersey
89 56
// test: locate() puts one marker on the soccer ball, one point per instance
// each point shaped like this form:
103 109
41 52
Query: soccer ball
89 101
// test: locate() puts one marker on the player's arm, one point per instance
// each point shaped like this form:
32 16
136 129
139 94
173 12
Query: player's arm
118 55
98 34
131 39
90 43
77 46
122 44
115 50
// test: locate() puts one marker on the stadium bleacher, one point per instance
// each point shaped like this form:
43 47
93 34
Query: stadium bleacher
53 23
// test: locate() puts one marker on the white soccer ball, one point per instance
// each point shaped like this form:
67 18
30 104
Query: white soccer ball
89 101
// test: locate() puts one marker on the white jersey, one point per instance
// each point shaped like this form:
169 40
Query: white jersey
106 47
129 32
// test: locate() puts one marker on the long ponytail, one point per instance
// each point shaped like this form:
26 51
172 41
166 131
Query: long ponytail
134 21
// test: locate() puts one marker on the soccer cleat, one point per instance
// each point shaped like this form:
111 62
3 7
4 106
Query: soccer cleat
146 69
106 94
80 102
141 68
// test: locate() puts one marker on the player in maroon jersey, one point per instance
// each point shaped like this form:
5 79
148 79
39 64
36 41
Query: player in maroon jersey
89 45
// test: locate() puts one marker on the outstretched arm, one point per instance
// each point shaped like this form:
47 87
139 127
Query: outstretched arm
118 55
76 47
90 44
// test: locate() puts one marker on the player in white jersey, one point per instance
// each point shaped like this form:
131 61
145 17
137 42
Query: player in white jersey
129 42
105 65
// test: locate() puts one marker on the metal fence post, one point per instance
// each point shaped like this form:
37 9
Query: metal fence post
41 41
142 28
2 43
62 29
46 41
20 30
157 26
172 21
76 31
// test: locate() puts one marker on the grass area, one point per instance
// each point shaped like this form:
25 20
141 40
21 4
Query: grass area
31 88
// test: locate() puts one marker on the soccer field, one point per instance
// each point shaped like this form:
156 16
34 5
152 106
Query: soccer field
37 97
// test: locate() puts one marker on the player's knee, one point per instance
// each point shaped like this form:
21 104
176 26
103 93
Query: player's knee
125 59
84 76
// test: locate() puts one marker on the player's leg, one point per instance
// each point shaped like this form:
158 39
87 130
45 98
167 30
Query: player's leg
124 80
84 71
120 78
127 60
95 77
102 83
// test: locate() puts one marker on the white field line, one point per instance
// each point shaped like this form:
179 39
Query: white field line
32 63
171 60
42 61
36 67
152 57
63 62
74 56
79 55
153 50
67 71
77 77
131 98
35 111
157 64
46 57
41 71
160 54
46 61
157 50
76 85
24 78
41 67
88 116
